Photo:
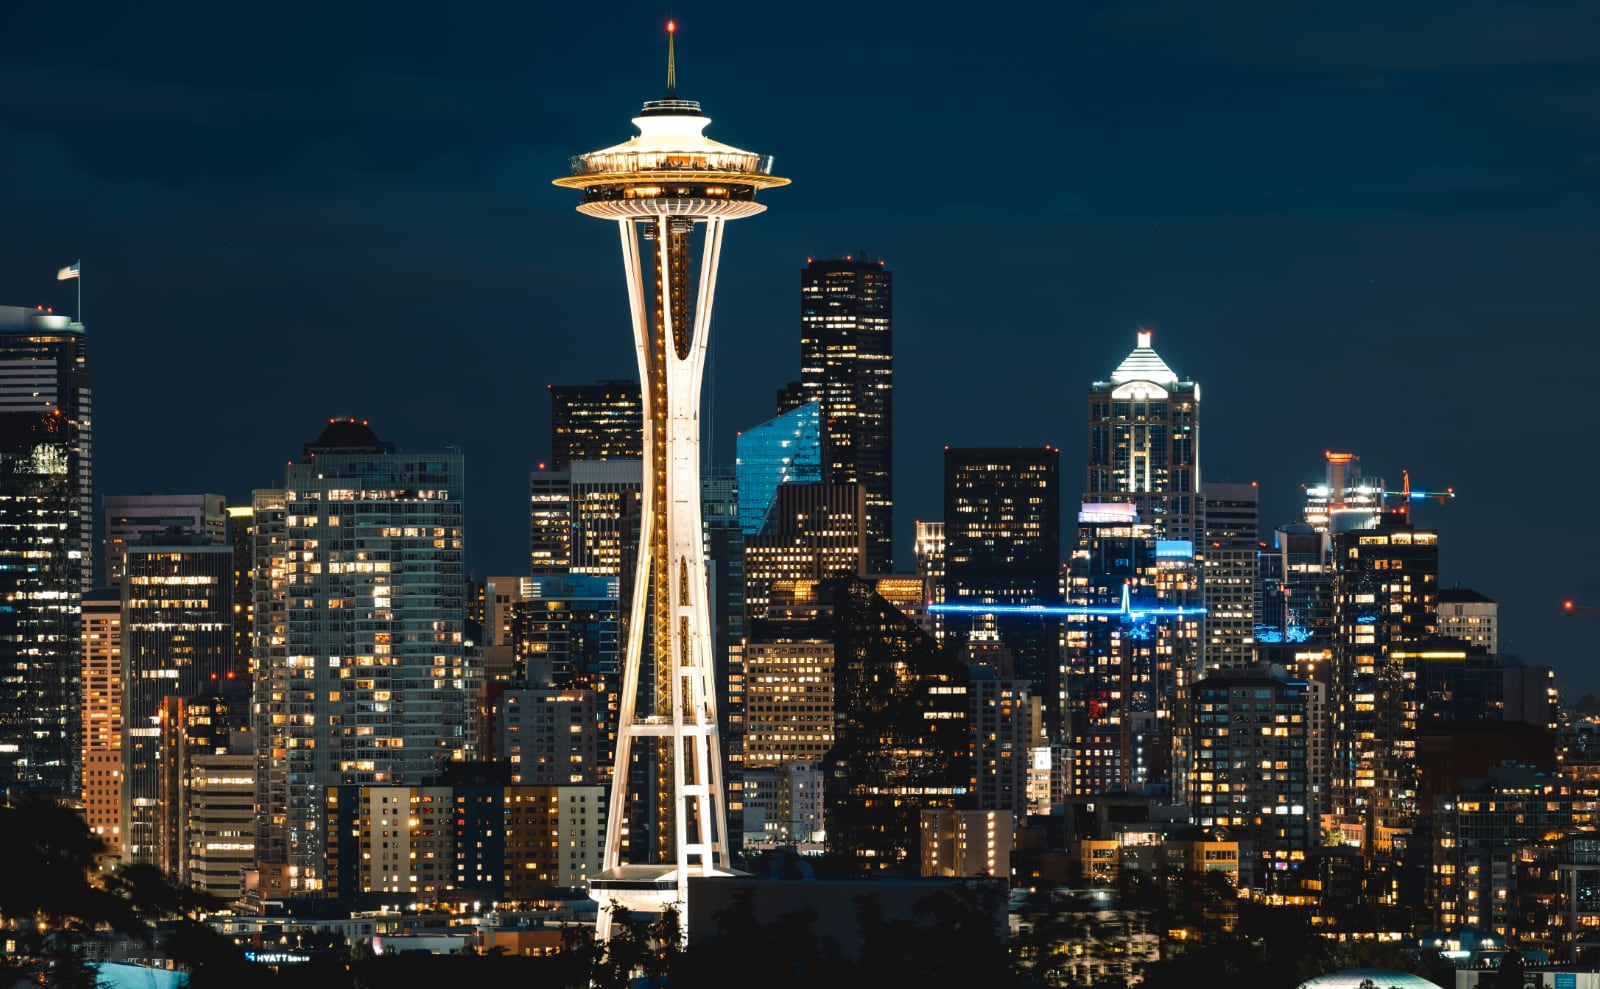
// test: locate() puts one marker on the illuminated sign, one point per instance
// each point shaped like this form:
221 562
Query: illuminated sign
1109 511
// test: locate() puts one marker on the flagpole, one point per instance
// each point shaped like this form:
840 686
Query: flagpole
74 271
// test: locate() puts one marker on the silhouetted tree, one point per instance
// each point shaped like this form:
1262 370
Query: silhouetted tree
1511 973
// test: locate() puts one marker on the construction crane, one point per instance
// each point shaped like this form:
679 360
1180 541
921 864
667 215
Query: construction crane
1407 496
1580 610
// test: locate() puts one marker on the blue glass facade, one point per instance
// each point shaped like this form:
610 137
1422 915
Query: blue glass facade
784 450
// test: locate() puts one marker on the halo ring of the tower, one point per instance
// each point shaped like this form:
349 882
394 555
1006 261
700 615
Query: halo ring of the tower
692 208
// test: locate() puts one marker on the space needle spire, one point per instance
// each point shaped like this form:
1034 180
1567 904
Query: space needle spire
665 188
672 63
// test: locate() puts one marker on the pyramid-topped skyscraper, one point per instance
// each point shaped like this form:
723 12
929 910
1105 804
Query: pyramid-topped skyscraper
1144 442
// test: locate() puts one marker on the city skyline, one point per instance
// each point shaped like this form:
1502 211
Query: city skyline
1345 234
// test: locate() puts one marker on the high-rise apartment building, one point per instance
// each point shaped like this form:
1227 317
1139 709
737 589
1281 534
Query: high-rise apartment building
1249 779
551 736
724 547
1296 587
929 549
584 518
566 631
602 421
783 450
128 518
1002 559
1007 728
1227 552
813 531
102 717
847 367
1132 652
789 697
46 540
1471 617
241 536
361 673
207 797
1144 443
460 841
967 842
1485 836
903 740
177 641
1385 599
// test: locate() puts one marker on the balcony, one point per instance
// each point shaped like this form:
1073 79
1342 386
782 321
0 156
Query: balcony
633 162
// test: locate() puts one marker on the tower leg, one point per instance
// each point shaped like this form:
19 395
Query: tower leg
670 592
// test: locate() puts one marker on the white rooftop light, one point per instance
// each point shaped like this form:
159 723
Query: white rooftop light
1144 364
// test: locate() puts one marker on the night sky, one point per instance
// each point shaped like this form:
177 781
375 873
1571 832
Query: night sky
1360 226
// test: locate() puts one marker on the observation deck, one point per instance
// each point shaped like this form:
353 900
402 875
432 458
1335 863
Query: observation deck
671 169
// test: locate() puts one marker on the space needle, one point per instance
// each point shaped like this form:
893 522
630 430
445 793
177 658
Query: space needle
662 187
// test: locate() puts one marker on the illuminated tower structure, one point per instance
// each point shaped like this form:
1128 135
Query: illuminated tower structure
1345 500
1002 528
46 561
1132 632
102 717
660 187
361 673
177 641
602 421
1144 443
1385 602
1228 558
847 367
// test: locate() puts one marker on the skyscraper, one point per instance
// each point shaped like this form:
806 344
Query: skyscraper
46 535
783 450
1227 552
584 517
658 187
719 506
1296 592
847 367
177 641
1252 783
1345 500
1385 599
207 798
1132 651
1469 616
241 536
602 421
128 517
1144 442
361 674
567 632
1002 549
903 741
102 717
813 531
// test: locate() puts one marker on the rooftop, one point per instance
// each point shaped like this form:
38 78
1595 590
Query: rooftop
1463 595
1144 364
346 436
670 146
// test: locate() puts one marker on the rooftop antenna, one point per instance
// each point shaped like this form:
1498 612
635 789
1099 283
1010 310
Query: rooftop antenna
672 67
